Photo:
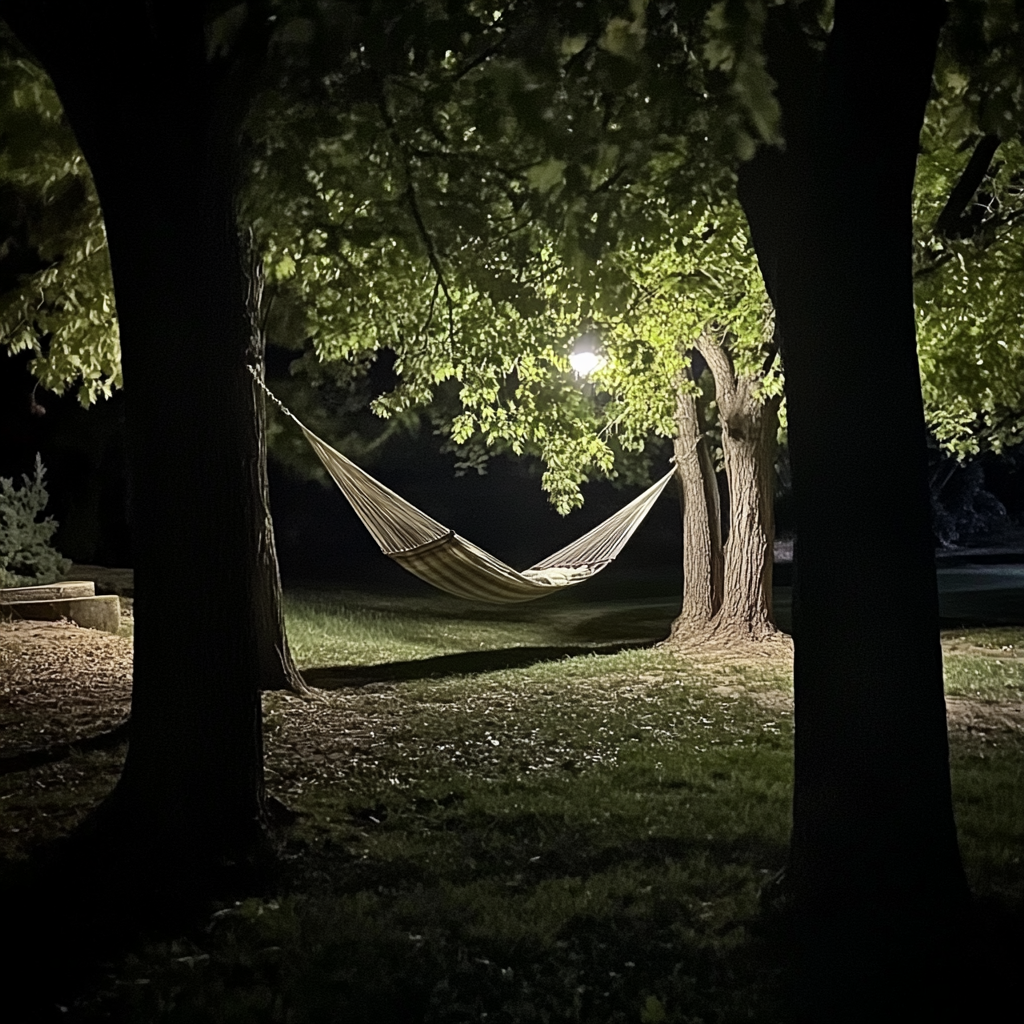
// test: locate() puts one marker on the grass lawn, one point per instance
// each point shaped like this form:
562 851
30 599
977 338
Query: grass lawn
532 815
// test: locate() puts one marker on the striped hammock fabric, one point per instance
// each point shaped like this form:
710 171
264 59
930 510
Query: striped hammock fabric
453 564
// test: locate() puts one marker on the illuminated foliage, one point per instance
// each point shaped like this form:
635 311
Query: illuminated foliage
514 178
474 217
968 283
56 296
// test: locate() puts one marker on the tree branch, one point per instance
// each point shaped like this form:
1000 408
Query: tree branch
772 354
950 221
409 194
719 363
480 58
939 261
946 255
610 180
430 312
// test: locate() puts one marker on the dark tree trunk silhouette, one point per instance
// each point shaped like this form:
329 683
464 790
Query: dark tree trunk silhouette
874 846
159 120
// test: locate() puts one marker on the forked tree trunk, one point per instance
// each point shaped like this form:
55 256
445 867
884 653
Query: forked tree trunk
749 441
701 521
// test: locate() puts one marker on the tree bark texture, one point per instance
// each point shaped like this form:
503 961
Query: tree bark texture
701 521
873 832
277 670
160 128
749 441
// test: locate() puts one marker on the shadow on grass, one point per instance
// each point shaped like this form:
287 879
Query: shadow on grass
528 917
505 856
337 677
24 760
66 931
603 925
78 906
647 621
972 608
364 953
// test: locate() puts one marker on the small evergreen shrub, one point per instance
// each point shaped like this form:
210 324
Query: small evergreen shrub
963 508
27 556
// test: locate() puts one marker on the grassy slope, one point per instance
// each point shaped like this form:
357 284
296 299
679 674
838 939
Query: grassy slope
580 838
505 816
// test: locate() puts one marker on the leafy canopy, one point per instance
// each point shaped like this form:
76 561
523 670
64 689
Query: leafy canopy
969 275
475 215
472 187
56 293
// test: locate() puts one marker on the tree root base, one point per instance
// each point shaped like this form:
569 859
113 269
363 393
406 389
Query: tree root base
729 640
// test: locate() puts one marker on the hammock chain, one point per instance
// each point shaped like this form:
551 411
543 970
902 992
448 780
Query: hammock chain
270 394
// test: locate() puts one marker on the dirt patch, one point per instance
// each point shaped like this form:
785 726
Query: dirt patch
60 683
985 717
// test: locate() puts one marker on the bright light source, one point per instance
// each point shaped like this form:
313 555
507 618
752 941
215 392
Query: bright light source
586 356
585 363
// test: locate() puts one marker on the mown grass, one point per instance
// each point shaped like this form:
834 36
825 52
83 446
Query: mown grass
349 628
582 840
519 816
580 835
986 664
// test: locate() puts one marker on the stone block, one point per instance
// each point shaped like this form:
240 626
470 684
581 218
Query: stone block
91 612
48 592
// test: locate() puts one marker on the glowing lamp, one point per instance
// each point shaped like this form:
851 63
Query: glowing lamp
586 356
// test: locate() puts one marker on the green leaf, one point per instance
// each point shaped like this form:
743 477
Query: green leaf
546 175
653 1011
283 269
571 45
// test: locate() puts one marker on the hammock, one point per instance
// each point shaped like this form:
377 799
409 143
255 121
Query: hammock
451 563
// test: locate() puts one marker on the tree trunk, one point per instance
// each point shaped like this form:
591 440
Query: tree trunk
160 126
873 847
702 524
749 440
277 670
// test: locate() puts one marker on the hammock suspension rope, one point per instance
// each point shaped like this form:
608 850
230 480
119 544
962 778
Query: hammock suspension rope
451 563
